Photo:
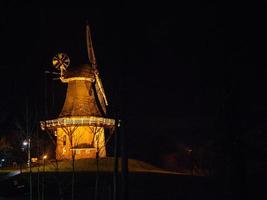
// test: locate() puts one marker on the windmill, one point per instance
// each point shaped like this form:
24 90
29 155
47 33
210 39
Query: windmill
80 125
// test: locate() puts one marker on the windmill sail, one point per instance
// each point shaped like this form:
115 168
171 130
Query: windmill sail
90 49
91 55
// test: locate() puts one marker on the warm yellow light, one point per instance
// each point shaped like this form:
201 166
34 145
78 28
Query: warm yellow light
45 157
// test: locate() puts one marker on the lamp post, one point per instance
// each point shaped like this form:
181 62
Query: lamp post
44 158
2 161
43 183
27 143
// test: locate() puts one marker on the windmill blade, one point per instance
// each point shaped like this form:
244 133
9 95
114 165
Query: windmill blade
100 88
92 59
90 49
99 99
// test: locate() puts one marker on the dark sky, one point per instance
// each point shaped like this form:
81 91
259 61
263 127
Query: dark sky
174 70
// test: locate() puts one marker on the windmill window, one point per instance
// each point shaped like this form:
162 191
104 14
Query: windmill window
64 140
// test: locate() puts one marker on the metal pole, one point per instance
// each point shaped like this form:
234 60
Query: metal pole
97 172
30 166
45 94
29 148
124 163
115 173
43 184
38 170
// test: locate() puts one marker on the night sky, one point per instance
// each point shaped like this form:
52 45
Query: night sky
180 73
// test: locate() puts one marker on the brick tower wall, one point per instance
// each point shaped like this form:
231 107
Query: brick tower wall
86 140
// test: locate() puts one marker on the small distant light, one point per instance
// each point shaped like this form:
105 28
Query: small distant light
25 143
45 157
119 123
3 160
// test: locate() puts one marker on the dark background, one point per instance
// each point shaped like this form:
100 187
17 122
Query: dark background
191 73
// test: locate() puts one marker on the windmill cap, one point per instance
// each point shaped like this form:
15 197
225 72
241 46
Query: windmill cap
84 70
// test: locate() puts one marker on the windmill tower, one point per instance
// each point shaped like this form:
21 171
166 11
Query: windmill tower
79 129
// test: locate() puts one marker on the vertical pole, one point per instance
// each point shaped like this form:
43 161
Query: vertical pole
124 163
123 139
43 181
97 172
29 149
38 170
115 173
38 182
45 95
73 165
30 165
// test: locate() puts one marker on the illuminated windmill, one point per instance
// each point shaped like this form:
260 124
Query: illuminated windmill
79 129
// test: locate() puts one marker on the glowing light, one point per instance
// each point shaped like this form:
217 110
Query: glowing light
25 143
44 157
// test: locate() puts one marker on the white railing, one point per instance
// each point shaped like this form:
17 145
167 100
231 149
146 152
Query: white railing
77 121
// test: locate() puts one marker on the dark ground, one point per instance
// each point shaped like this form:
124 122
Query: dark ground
141 186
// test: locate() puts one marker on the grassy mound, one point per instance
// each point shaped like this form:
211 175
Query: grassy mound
90 165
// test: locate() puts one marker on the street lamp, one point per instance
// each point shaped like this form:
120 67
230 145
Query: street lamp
2 161
43 181
44 158
27 143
